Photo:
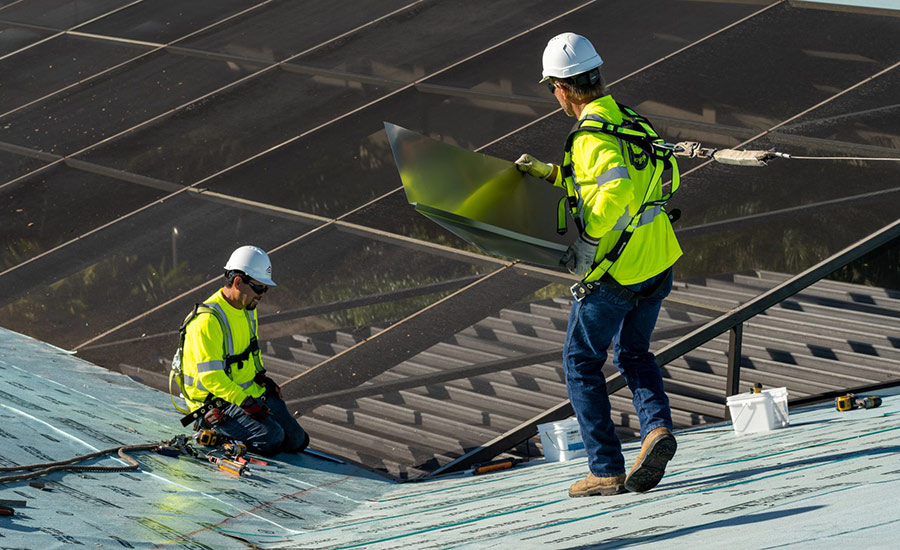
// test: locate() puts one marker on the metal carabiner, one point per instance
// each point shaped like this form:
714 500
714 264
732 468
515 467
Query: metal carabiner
579 291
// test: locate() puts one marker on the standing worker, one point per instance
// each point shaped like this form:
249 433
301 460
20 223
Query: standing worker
222 360
613 183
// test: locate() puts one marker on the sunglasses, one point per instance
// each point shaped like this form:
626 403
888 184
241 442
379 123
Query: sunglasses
551 86
260 289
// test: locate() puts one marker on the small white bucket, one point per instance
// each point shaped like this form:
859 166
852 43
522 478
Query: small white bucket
780 400
561 440
759 412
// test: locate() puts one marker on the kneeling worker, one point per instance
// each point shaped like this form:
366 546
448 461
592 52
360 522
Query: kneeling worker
221 359
610 181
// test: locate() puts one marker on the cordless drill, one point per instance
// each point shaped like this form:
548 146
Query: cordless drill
234 451
850 401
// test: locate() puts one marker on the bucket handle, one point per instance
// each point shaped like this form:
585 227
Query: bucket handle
554 439
744 407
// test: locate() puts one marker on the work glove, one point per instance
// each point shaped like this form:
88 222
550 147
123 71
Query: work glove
533 166
255 409
271 387
579 258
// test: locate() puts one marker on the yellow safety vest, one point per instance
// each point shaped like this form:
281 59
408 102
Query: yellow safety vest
608 177
210 364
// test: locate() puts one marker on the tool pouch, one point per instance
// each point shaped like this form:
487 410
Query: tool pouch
214 417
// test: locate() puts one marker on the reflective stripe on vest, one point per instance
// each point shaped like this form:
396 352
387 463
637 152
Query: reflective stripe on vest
251 321
190 381
209 366
229 343
226 328
615 173
647 217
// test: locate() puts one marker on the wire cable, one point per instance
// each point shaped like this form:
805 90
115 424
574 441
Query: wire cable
794 157
49 467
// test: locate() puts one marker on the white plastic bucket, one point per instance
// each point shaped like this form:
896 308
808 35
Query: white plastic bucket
561 440
759 412
780 399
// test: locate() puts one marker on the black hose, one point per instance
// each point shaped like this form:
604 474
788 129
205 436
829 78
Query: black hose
49 467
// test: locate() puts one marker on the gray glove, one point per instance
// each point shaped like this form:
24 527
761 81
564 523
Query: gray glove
579 258
534 167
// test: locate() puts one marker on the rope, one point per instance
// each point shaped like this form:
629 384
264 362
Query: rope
49 467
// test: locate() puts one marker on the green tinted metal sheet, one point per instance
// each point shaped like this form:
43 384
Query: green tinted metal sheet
481 199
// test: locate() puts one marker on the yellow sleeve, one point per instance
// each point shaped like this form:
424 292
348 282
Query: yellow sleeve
606 187
559 182
204 336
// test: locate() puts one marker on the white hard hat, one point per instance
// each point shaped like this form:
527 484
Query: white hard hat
254 262
569 54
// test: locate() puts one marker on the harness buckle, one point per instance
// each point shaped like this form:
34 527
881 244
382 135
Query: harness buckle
579 291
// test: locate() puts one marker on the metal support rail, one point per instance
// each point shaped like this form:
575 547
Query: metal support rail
468 371
731 321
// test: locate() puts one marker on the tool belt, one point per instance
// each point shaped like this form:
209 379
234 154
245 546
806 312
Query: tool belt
583 289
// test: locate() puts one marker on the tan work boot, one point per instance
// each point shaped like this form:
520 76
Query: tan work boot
596 485
657 450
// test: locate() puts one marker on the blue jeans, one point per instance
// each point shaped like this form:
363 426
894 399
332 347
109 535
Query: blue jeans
280 432
601 318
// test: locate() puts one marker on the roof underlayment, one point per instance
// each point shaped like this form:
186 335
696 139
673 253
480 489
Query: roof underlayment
824 480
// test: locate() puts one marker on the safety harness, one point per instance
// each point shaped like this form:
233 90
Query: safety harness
177 373
645 148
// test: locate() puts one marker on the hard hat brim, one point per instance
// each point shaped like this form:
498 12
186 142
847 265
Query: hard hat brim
267 282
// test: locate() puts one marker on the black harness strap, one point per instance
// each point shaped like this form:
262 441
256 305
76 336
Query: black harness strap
584 288
239 358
